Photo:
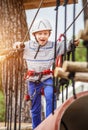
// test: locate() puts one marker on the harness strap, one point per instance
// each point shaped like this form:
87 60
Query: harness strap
33 73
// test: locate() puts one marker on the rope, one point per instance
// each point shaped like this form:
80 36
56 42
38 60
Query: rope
63 82
65 42
16 93
30 28
11 89
6 88
33 20
21 76
72 46
54 79
73 49
76 17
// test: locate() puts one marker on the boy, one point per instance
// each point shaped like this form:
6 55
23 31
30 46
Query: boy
39 55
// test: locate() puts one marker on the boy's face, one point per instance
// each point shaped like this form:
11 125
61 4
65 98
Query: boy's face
42 37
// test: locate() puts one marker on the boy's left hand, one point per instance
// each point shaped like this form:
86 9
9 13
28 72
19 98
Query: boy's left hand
76 42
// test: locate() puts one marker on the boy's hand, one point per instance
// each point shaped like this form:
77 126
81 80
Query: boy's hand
18 45
76 42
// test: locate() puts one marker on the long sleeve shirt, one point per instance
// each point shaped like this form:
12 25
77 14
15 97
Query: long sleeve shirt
45 56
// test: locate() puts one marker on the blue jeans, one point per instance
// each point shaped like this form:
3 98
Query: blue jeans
34 91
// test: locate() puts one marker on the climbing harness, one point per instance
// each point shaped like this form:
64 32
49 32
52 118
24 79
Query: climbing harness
40 74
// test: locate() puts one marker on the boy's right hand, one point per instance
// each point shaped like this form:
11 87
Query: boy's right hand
18 45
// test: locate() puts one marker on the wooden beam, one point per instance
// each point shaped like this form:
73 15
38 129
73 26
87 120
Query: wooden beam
75 66
33 4
78 69
78 76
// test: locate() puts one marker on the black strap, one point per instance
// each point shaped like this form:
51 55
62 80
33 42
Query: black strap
37 51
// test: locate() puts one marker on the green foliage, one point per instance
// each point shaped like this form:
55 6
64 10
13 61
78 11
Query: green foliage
2 107
81 53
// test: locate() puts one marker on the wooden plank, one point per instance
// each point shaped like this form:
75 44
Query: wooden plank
33 4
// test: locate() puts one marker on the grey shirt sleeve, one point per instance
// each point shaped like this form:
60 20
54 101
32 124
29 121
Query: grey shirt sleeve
61 47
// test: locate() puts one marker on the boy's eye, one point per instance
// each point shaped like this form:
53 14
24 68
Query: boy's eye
45 33
40 33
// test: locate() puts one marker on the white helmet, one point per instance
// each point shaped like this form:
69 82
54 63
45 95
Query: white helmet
41 25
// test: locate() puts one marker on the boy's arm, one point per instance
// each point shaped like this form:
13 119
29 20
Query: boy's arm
61 46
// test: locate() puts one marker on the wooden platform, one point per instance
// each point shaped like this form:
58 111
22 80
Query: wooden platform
32 4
